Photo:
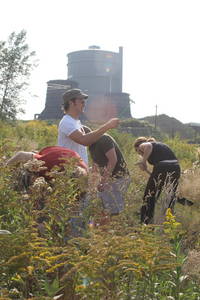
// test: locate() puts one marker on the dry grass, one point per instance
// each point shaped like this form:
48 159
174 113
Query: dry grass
190 185
189 188
191 266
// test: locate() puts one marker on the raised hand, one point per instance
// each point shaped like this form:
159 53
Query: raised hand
113 123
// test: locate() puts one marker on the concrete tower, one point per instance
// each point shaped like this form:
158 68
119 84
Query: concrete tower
99 74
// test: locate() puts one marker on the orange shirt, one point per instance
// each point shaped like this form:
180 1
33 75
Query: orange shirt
56 156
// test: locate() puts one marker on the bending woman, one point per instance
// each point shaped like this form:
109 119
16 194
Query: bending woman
166 170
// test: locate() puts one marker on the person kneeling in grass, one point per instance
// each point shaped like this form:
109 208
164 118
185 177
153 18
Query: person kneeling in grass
40 164
51 156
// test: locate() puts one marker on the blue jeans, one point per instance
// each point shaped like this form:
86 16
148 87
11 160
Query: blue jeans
113 197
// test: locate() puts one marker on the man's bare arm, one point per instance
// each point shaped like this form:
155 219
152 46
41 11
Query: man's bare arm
107 172
91 137
112 160
20 156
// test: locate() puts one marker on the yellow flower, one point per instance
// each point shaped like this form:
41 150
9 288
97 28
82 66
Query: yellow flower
169 216
30 270
170 223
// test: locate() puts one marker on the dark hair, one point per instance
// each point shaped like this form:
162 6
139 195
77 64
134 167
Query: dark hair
87 129
66 103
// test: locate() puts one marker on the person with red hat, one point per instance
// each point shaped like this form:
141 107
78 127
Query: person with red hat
51 156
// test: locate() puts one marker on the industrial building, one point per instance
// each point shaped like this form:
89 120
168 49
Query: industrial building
98 73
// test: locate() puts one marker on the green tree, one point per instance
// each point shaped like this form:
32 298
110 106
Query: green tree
16 63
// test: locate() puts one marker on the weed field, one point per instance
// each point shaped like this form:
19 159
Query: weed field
112 259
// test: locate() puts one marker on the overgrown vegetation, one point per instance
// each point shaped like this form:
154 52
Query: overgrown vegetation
172 127
116 259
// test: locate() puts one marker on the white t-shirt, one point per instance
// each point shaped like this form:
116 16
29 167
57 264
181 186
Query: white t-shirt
66 126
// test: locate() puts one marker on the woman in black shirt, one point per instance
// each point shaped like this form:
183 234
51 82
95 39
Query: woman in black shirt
166 171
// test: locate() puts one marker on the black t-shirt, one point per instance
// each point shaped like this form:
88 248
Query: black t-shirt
98 152
160 152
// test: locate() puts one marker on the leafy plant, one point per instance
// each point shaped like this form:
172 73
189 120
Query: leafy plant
15 66
42 260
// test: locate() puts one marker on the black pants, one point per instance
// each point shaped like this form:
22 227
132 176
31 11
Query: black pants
164 174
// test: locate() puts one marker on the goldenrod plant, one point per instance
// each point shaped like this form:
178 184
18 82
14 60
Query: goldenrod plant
43 258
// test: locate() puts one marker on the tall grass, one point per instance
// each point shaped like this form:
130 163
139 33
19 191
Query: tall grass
118 260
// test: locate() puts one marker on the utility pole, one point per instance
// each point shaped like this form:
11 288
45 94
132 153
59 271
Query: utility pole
155 124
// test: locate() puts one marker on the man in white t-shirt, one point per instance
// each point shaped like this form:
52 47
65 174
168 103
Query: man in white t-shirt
70 132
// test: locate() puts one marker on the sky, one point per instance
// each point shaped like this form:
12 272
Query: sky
160 40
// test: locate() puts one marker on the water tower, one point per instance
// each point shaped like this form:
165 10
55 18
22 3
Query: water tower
99 74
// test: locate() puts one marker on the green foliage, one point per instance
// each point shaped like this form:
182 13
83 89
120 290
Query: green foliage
52 288
134 123
186 153
118 262
171 126
27 136
139 128
15 67
125 141
42 260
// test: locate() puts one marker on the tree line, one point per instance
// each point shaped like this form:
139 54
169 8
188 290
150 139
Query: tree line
16 64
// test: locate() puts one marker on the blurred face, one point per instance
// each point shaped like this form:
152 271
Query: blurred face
79 104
